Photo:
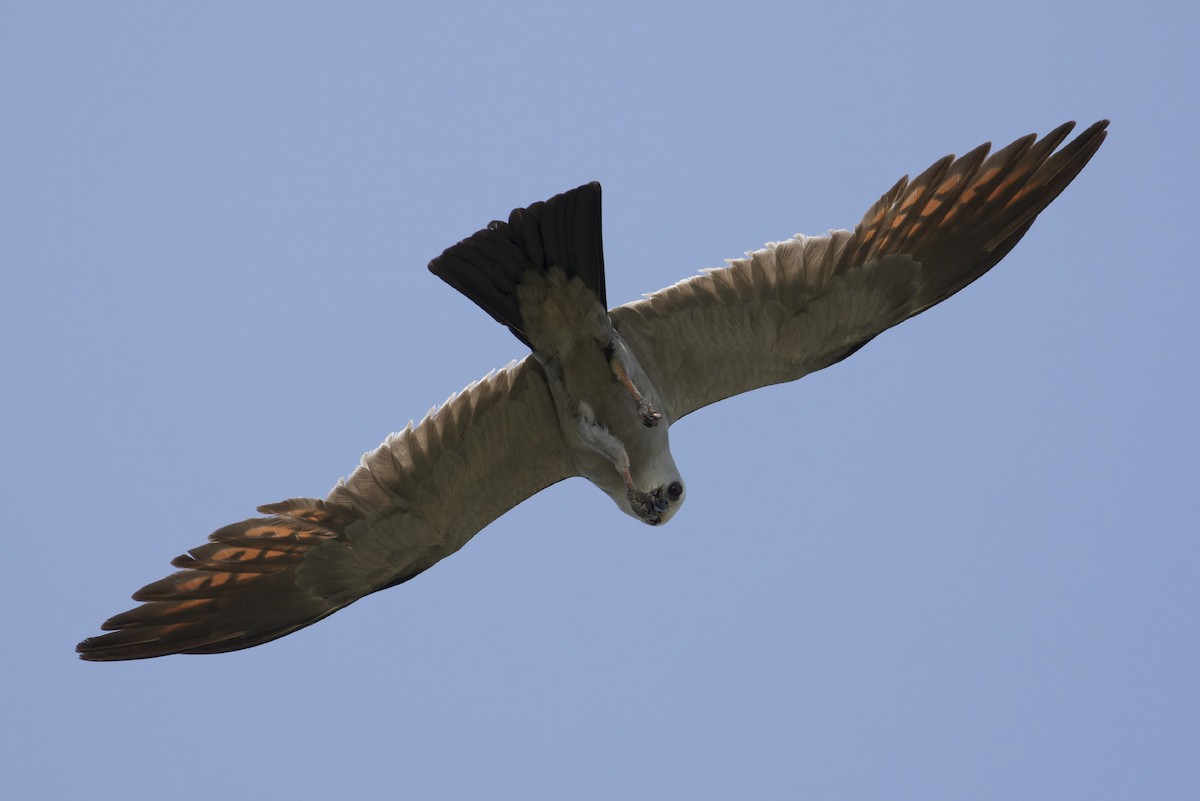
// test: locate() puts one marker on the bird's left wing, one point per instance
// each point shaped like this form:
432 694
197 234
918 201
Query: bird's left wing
801 305
413 501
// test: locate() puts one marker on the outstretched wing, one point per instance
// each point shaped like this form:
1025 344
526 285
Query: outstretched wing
413 501
804 304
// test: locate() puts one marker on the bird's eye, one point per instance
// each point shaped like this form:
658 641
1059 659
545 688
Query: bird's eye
674 490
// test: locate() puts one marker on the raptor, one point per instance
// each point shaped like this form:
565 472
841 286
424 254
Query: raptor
599 392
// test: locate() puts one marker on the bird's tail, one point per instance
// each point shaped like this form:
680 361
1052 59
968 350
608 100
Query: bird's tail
489 265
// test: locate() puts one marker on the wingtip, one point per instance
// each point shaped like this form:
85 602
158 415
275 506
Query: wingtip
1098 129
95 649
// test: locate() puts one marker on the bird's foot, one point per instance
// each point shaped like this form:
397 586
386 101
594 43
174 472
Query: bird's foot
648 506
650 416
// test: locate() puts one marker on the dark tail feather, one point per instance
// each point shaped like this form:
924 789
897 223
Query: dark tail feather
563 231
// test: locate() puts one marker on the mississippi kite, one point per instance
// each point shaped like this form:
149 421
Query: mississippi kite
599 391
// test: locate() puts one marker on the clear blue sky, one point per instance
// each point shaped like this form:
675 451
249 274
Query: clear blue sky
962 564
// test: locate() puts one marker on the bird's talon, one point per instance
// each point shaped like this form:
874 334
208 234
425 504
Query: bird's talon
650 416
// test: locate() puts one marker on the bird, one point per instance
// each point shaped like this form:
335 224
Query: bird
599 391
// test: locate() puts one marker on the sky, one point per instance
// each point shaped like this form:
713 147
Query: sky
961 564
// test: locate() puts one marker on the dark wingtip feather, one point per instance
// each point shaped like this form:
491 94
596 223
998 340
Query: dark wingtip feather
959 219
238 590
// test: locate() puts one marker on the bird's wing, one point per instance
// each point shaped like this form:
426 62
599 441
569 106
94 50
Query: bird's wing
413 501
804 304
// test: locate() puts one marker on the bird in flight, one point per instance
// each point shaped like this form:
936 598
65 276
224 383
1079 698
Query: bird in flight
599 392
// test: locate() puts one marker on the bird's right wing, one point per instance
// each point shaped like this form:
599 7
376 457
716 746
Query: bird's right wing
801 305
413 501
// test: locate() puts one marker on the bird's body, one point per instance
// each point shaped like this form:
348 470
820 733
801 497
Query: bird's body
599 391
542 275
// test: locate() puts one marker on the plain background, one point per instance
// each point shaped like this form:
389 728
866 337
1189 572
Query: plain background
961 564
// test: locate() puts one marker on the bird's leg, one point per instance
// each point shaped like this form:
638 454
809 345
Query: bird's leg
601 440
650 416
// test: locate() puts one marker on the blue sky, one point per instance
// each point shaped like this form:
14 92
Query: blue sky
961 564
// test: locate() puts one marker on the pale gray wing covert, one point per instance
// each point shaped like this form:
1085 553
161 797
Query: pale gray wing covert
798 306
413 501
